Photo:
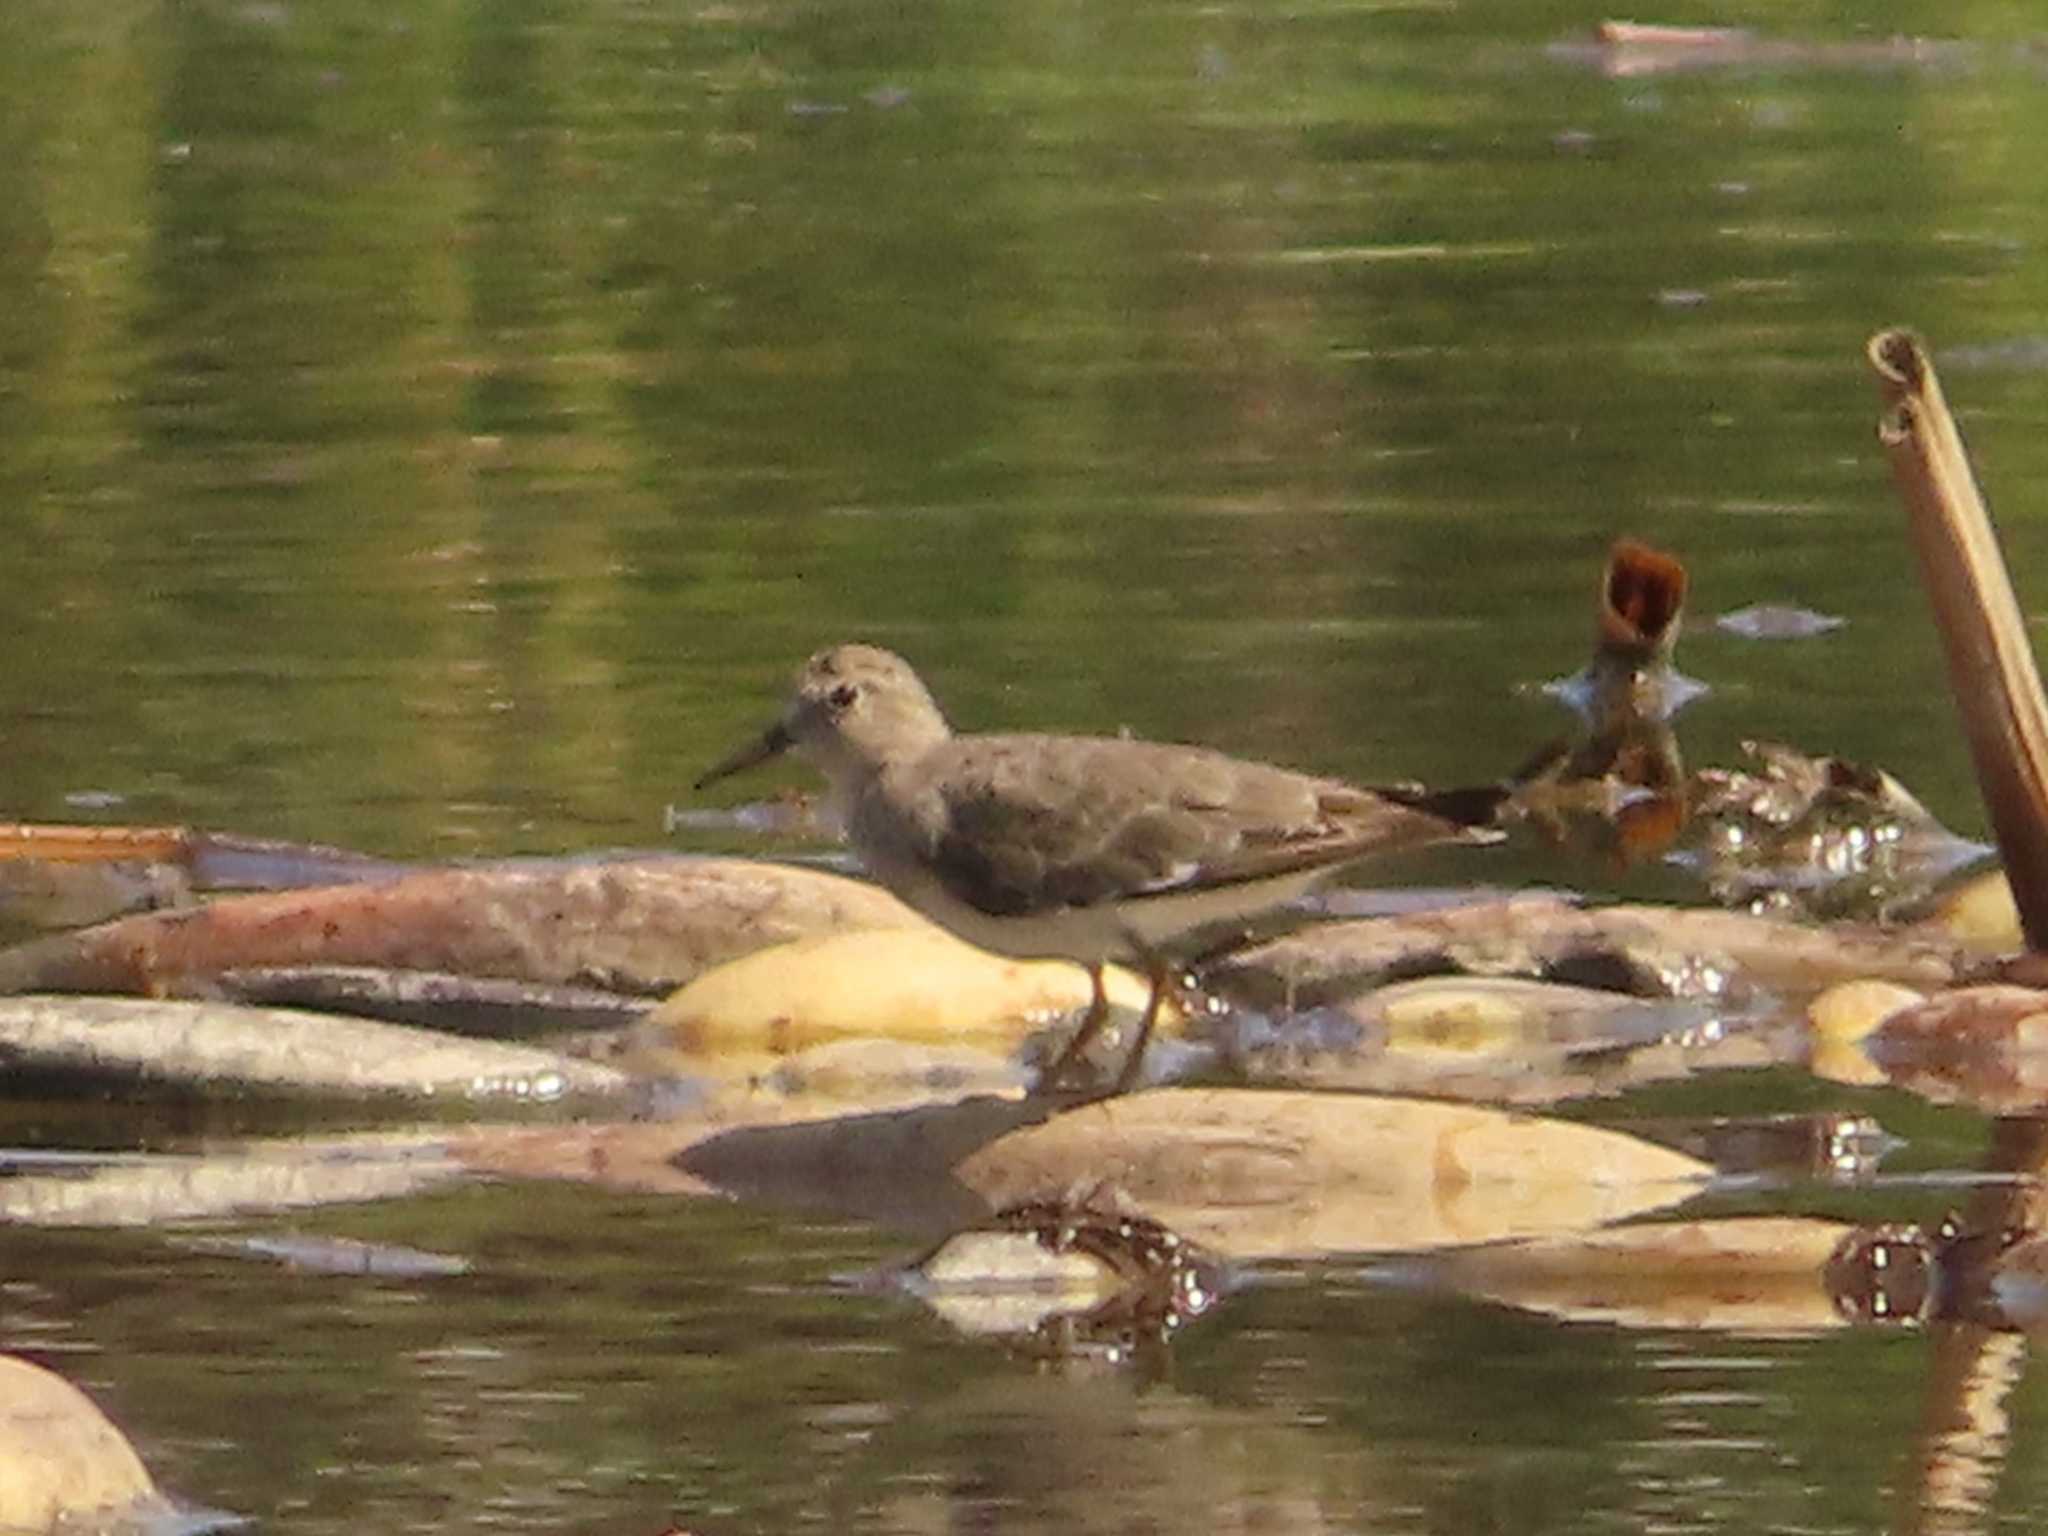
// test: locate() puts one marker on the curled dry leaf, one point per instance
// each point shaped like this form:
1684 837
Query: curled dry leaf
1639 607
1255 1173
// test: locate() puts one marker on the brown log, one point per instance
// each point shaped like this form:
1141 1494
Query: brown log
641 926
1262 1173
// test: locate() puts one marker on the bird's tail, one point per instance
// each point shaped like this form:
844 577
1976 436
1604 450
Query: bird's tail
1476 807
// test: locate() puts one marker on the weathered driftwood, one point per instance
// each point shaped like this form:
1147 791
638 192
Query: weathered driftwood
1259 1174
63 1464
477 1005
636 1156
258 1176
1248 1173
879 1158
54 876
1502 1039
1757 1274
227 1045
894 1166
1651 951
38 894
639 926
1990 661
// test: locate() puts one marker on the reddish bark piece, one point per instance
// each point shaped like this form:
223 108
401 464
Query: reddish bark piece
640 926
56 876
1986 1046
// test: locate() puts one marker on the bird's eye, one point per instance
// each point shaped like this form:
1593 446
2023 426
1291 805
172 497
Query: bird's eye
843 696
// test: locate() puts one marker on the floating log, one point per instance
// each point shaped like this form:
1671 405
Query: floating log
58 876
63 1464
224 1046
638 926
912 984
141 1191
1498 1039
1265 1174
1648 950
473 1005
1753 1274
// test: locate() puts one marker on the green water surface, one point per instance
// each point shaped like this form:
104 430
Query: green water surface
439 428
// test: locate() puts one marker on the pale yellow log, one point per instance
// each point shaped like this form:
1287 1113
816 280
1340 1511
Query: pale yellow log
1842 1018
916 984
1981 913
1848 1013
61 1459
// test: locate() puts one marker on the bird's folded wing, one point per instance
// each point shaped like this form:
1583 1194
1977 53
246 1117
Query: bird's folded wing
1021 827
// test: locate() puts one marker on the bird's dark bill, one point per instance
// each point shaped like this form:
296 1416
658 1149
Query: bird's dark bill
770 743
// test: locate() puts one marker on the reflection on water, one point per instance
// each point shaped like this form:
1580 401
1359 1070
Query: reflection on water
435 430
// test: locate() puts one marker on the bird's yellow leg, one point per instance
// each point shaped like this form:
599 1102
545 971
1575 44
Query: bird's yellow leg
1159 976
1092 1024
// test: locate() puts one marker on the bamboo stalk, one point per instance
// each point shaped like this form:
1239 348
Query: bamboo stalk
1990 663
